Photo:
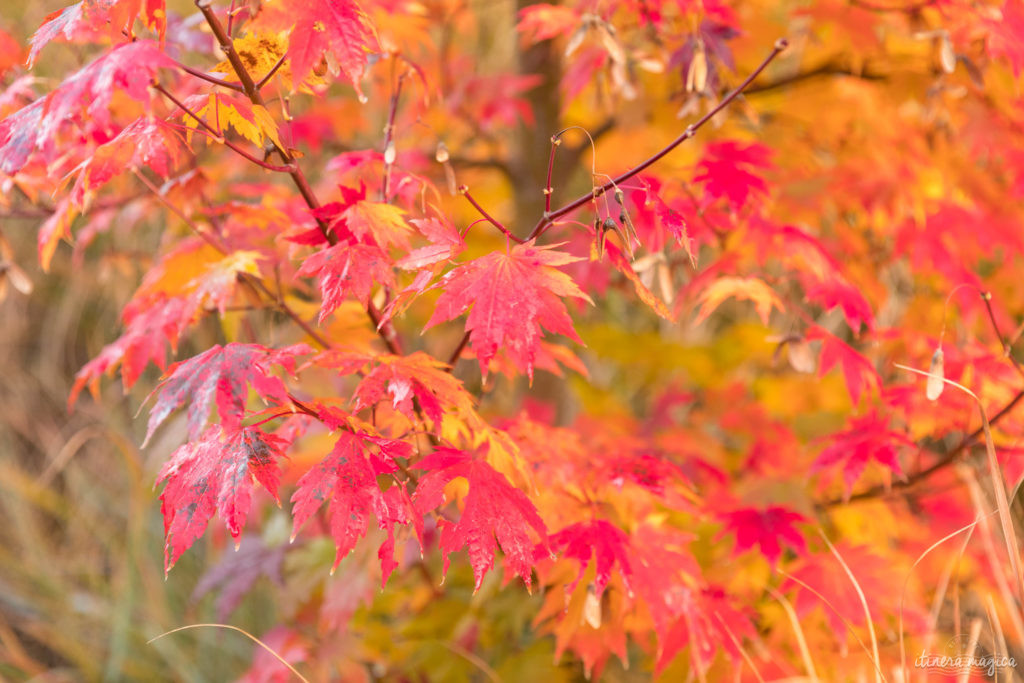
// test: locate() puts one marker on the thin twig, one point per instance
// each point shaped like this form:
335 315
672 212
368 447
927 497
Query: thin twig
454 358
555 142
944 462
490 219
219 135
208 78
270 74
248 278
389 138
387 331
550 216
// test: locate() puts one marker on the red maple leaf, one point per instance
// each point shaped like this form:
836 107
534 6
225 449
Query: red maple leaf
765 529
608 545
347 270
545 21
145 142
90 19
868 439
514 296
347 478
221 374
213 474
336 28
494 509
400 379
843 606
152 323
708 622
858 371
727 170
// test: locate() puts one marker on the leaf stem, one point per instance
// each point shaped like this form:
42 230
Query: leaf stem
389 139
490 219
208 78
270 74
555 142
454 358
551 216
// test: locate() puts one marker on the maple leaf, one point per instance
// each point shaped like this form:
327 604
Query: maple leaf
446 243
416 376
220 374
598 541
86 95
215 473
493 509
727 171
151 322
514 297
53 229
765 529
89 19
621 264
830 582
337 29
236 573
347 478
858 371
868 439
749 288
709 622
252 121
383 223
145 142
544 21
19 135
347 270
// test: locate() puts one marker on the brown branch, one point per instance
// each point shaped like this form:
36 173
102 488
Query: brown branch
945 461
550 216
389 137
386 332
987 298
490 219
917 6
454 358
219 135
830 68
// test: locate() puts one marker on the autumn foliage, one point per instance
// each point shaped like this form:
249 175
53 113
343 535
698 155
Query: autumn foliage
626 339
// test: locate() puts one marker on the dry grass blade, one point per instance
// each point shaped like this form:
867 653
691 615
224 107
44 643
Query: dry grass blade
739 646
248 635
903 594
846 622
998 484
801 641
864 604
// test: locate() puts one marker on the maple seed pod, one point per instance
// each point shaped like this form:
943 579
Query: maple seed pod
592 608
947 56
441 155
801 356
599 237
936 376
697 76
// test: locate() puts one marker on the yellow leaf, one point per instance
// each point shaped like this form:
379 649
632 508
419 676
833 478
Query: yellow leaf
747 288
267 124
384 222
